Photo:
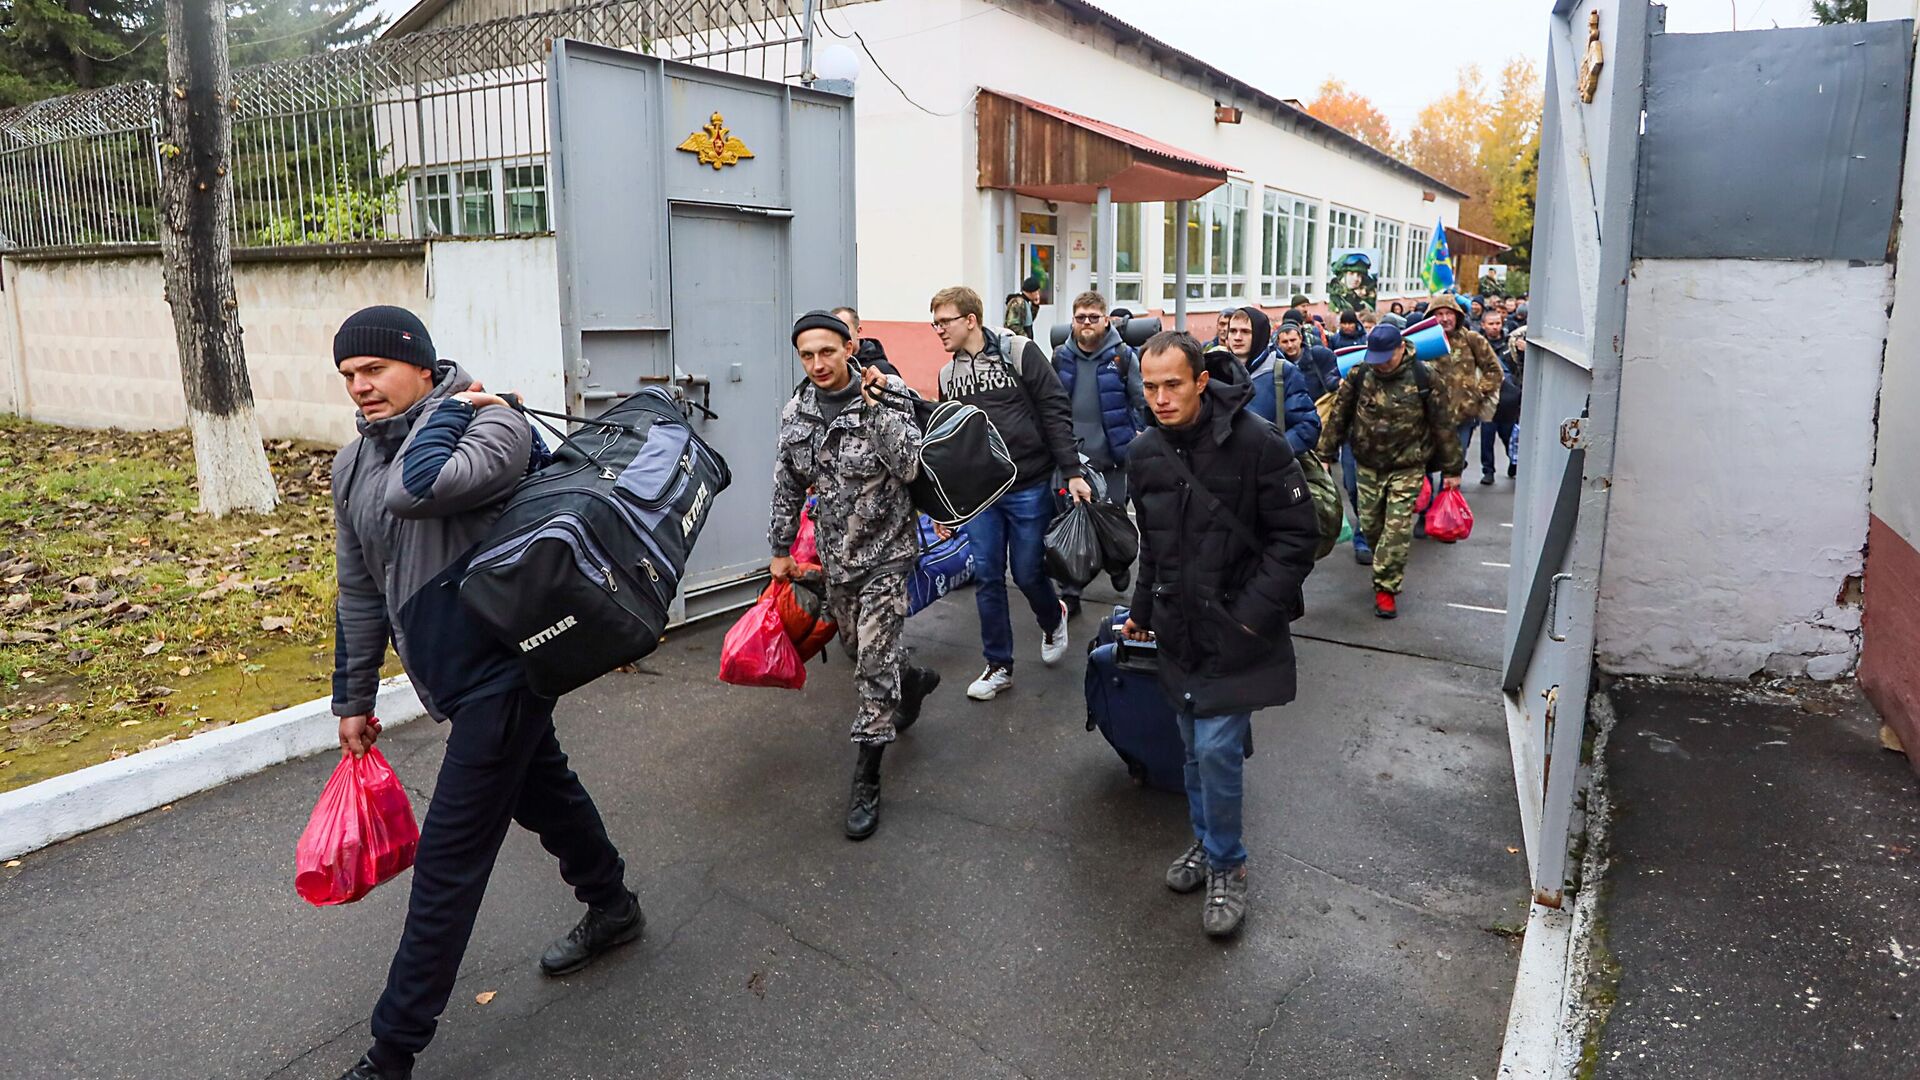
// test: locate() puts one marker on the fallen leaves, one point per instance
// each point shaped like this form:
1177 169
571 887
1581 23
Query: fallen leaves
274 623
484 996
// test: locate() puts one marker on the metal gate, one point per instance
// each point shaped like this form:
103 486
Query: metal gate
684 200
1582 238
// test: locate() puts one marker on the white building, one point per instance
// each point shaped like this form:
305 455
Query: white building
985 130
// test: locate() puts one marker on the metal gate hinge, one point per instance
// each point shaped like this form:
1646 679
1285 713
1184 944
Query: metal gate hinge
1573 433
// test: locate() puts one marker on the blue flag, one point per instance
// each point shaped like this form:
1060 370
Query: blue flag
1437 274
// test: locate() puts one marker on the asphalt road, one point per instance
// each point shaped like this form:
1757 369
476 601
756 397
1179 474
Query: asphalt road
1007 921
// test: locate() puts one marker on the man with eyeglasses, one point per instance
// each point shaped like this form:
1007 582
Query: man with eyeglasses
1006 376
1102 380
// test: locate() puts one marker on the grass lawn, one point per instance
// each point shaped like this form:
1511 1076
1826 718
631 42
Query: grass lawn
126 619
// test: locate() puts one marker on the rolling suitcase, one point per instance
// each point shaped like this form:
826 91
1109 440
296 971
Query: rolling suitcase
1125 702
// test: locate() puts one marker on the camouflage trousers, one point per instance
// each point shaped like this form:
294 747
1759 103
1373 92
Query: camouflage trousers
1386 498
871 612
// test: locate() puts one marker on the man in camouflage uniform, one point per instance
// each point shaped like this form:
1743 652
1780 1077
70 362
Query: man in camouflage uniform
1397 421
1469 374
1023 306
857 450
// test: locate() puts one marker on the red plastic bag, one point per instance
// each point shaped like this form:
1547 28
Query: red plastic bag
805 548
1450 518
1424 501
758 652
361 833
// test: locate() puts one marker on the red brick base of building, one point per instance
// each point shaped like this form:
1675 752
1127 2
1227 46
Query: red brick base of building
1890 657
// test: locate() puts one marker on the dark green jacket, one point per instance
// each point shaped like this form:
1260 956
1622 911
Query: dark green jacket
1393 421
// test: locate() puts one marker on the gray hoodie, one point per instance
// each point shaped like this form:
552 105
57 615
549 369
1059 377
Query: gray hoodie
413 495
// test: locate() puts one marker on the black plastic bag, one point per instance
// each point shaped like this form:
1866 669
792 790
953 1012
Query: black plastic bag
1073 551
1119 540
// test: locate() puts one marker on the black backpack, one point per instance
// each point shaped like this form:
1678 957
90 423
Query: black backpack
582 565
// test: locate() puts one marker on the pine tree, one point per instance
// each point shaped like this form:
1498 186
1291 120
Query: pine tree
1831 12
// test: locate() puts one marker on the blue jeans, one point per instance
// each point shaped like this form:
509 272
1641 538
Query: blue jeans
1012 531
1216 755
1508 433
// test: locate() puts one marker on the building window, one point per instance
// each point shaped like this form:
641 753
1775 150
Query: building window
1216 243
1289 226
481 199
1127 258
476 202
1391 271
433 204
1417 241
1343 229
526 198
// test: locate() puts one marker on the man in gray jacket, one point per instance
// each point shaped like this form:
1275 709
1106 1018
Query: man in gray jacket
436 458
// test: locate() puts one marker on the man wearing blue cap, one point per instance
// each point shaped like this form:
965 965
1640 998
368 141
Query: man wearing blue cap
1399 430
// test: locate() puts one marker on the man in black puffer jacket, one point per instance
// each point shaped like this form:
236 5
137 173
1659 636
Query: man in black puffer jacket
1227 535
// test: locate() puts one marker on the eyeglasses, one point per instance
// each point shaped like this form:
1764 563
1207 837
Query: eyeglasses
1088 320
942 324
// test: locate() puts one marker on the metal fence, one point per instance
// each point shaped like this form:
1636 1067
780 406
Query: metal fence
438 133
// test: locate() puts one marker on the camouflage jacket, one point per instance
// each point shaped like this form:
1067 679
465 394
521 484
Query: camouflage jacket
1019 315
859 466
1470 377
1393 422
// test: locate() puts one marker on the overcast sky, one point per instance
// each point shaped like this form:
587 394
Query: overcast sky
1400 53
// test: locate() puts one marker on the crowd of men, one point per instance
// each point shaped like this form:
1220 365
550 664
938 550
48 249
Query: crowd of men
1211 445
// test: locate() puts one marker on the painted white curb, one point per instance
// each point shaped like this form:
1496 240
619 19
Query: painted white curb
64 806
1535 1020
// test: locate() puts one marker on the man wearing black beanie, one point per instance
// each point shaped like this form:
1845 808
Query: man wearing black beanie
857 450
436 458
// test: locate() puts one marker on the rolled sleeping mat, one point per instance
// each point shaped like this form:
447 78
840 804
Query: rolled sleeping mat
1429 340
1348 357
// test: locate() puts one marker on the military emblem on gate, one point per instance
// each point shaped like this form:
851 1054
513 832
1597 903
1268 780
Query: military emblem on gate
715 145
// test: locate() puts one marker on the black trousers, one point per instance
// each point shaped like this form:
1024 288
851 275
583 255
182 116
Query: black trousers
503 764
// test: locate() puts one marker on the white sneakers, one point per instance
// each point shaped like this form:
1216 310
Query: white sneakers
1054 646
990 683
996 679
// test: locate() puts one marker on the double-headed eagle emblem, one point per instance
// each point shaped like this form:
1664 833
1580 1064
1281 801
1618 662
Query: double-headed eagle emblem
715 145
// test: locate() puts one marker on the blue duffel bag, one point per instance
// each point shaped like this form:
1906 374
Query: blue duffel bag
943 566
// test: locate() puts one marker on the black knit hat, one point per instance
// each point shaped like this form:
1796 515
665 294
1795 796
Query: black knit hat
820 320
384 330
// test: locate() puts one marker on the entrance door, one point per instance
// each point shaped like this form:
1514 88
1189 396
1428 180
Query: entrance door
1039 257
1582 238
730 322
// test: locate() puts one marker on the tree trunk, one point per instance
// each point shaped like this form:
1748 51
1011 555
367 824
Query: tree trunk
196 245
82 63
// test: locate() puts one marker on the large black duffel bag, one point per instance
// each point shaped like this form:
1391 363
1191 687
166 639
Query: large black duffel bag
964 463
580 569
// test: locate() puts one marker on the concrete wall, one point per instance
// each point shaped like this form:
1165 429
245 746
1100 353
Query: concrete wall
95 344
1739 503
495 306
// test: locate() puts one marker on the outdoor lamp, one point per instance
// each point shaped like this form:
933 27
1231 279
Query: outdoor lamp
836 69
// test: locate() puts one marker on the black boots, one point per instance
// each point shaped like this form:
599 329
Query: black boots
915 684
863 809
365 1069
598 930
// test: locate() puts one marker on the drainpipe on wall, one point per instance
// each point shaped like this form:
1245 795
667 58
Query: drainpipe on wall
1180 266
1103 241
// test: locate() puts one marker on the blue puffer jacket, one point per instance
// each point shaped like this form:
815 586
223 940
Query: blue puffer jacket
1122 406
1302 423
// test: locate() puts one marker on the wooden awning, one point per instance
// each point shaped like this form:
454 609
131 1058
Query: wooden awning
1046 152
1462 242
